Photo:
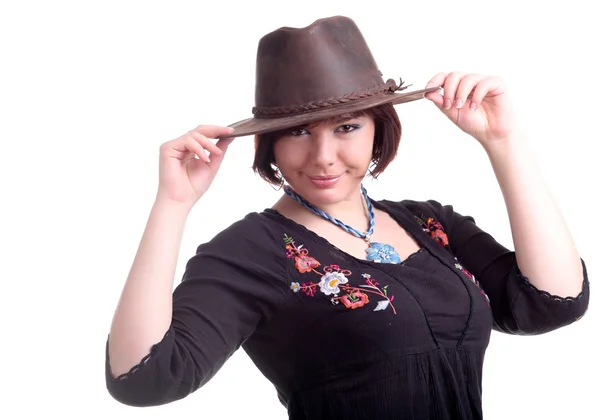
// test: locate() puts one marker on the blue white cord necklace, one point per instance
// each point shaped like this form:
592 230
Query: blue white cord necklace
376 251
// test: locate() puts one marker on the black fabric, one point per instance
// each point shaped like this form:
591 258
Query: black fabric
360 353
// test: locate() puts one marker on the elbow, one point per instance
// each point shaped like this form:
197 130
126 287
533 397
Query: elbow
142 388
527 310
582 302
557 312
165 375
139 387
129 393
125 394
542 312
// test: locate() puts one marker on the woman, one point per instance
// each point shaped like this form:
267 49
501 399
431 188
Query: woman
352 308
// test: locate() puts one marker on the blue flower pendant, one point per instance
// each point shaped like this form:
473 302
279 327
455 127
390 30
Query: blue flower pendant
382 253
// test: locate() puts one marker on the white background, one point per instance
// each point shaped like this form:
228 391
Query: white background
89 90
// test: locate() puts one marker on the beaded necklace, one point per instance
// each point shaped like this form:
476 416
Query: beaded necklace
376 251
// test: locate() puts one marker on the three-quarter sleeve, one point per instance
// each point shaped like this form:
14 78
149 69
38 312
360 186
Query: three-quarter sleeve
229 288
518 307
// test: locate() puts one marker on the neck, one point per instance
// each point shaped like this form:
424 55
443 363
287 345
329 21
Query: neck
351 210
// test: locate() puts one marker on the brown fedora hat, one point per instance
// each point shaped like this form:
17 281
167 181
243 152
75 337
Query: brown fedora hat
326 69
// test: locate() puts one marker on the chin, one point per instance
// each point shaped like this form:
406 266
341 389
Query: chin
319 197
325 196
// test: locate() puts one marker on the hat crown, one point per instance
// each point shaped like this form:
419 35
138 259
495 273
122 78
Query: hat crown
326 60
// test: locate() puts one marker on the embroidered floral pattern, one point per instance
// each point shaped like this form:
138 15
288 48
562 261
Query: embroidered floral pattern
334 281
330 282
472 277
437 232
434 229
355 300
303 262
464 270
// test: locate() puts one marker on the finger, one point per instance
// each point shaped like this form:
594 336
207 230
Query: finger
213 131
436 98
206 143
193 146
450 86
438 101
180 147
437 80
485 86
222 144
465 88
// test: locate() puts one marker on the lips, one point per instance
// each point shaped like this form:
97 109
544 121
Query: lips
324 177
324 181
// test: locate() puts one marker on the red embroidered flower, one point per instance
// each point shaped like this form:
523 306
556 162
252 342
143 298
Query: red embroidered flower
434 229
434 224
440 236
304 263
355 300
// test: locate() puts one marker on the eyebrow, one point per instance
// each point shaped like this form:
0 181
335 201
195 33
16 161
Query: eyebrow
335 120
344 118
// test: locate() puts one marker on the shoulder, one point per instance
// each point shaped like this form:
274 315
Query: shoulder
428 210
252 233
247 247
418 208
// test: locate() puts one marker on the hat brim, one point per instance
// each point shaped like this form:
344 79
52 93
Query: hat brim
252 126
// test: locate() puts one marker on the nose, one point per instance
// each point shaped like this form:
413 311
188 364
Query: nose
324 149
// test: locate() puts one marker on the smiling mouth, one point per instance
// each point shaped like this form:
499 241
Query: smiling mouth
324 181
324 177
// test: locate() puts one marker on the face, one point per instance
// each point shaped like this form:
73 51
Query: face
326 162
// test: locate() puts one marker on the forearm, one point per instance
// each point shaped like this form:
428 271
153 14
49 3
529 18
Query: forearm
545 251
144 311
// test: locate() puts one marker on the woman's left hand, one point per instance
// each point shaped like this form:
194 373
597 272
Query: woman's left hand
477 104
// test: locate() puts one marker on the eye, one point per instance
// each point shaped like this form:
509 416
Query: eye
348 128
297 132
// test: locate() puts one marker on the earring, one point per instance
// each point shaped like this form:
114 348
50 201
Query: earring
279 176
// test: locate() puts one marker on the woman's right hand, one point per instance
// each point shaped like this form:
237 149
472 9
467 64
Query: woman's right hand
182 177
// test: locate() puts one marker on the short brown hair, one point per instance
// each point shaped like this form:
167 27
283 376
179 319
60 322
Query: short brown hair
385 143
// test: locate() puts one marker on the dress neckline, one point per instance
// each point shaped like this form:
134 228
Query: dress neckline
403 217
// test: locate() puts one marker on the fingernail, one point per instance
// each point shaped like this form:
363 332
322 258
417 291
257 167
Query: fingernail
458 103
473 106
447 103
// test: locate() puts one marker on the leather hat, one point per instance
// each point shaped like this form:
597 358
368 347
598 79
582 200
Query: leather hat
326 69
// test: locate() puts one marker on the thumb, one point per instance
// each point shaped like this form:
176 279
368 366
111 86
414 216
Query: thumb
438 101
436 98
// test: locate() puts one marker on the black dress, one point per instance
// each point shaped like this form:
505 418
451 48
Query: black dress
344 338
